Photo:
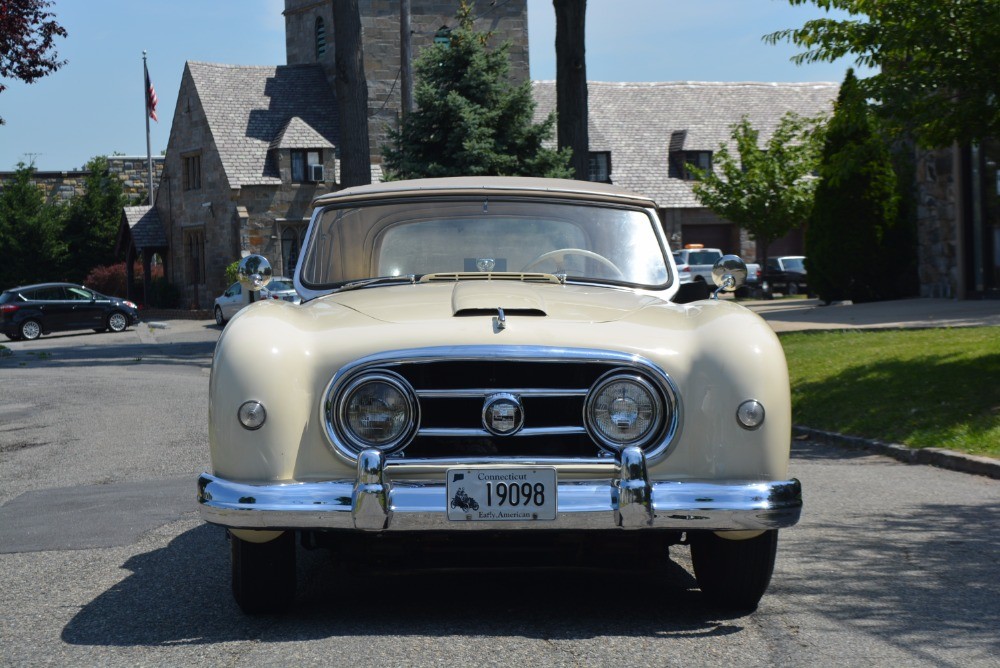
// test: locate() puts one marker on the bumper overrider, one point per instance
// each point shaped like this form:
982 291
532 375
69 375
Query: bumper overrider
627 499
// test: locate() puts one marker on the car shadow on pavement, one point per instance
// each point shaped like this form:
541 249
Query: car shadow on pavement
179 595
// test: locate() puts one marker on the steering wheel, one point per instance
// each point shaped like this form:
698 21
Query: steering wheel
560 254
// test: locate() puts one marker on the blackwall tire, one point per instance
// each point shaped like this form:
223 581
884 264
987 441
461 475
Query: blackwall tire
219 320
263 573
733 574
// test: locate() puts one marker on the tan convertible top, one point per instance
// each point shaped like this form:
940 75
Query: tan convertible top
488 185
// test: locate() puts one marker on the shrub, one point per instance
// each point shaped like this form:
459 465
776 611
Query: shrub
232 273
111 280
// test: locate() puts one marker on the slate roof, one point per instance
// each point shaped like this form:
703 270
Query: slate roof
296 133
641 123
248 108
144 226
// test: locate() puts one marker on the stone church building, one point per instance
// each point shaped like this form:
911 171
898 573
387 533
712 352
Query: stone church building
250 147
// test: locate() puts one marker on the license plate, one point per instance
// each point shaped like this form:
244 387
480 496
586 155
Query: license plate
499 494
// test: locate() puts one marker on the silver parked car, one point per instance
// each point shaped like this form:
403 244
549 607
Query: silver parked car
230 302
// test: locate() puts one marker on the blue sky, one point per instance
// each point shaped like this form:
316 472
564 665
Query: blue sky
94 104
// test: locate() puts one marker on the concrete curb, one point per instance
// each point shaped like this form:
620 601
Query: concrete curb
946 459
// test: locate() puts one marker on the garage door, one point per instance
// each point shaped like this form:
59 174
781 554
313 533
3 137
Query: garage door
711 236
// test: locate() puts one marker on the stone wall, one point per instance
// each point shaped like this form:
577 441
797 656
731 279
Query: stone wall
60 187
938 223
380 22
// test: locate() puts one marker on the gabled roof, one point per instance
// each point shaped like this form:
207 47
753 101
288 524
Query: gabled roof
248 108
641 123
296 133
144 226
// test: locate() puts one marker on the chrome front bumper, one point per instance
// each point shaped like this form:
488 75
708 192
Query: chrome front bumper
629 500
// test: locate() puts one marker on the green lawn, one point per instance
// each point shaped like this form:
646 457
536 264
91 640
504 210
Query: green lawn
922 388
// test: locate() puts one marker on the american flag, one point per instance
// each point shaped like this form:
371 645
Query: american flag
151 98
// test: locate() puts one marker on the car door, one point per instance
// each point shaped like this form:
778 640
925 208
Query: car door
88 309
48 305
232 300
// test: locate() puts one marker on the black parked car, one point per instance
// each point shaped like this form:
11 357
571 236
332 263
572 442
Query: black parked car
29 311
785 274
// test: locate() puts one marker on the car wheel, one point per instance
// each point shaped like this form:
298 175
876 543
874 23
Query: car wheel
117 322
30 330
733 574
219 320
793 289
263 573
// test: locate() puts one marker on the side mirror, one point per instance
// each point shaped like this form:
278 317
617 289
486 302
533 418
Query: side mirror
728 274
254 272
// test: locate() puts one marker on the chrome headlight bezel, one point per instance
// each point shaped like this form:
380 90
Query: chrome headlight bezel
661 404
338 411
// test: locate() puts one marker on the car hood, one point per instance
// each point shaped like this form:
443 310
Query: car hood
439 301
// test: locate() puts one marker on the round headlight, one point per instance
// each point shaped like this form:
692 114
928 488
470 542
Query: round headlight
623 410
377 411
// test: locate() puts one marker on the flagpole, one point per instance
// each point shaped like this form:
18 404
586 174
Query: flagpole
149 152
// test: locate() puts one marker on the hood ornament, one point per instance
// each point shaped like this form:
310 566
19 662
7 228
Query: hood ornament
500 321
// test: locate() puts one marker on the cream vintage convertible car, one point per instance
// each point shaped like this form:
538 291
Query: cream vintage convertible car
490 359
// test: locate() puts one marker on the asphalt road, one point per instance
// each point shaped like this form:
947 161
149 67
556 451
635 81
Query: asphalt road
104 561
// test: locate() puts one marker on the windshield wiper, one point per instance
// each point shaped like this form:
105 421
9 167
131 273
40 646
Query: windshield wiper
378 280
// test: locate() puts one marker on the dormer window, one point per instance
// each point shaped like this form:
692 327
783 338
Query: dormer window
599 166
320 38
679 161
307 166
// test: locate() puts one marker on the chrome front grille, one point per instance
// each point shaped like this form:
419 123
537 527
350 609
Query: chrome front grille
452 385
451 422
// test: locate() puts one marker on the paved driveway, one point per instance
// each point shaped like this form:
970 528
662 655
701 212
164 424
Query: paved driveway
104 561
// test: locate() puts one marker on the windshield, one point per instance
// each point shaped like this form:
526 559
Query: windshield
585 242
280 285
793 264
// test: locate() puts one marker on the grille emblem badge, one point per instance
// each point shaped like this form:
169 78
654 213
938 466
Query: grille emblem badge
503 414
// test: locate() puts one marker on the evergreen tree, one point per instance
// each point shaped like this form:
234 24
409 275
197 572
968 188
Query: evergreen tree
469 120
92 221
31 232
856 204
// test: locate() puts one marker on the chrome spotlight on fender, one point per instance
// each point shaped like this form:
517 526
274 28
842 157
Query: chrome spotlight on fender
254 272
728 273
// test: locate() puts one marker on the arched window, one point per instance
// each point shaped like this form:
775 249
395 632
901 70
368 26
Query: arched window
320 37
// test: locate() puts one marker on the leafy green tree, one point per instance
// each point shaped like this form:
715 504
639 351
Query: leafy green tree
469 120
31 232
27 41
93 219
767 190
856 205
937 62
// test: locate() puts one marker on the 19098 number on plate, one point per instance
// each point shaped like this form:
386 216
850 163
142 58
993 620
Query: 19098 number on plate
495 494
